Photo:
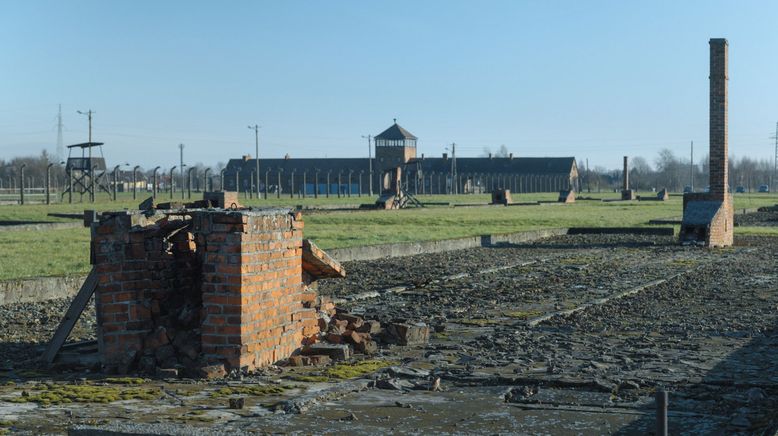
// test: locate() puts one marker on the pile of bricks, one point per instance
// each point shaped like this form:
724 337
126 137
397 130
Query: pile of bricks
345 333
204 291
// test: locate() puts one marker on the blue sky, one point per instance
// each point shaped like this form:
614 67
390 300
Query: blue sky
594 79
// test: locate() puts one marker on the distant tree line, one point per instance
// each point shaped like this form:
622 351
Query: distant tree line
676 173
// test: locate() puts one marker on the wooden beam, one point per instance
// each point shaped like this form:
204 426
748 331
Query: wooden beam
71 316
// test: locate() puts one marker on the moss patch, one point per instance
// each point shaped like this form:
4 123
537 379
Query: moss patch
49 394
308 378
480 322
125 380
248 390
357 369
684 262
522 314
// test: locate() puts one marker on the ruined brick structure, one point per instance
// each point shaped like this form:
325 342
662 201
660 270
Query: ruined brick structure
192 288
501 196
708 218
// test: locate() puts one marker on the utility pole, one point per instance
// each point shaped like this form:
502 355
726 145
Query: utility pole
775 165
370 161
255 128
89 114
691 169
60 146
181 149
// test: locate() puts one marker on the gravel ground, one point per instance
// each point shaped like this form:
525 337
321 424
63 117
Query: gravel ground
25 329
765 219
707 334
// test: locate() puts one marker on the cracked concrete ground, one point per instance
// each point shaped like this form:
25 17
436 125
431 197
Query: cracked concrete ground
569 335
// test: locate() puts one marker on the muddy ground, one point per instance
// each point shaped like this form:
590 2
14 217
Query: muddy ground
569 335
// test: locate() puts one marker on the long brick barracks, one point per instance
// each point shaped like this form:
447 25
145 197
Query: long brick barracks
396 147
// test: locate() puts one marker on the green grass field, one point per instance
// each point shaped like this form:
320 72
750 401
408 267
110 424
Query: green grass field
66 252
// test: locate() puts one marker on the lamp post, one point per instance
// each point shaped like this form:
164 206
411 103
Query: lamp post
21 183
92 184
205 179
189 183
135 182
237 180
316 184
370 161
359 192
154 185
278 188
221 179
328 183
340 182
291 184
255 128
267 180
305 184
171 180
48 183
115 180
348 189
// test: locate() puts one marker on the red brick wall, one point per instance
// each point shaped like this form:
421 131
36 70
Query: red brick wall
721 232
139 270
252 287
230 281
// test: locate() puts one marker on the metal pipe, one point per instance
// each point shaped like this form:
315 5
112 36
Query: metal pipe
661 413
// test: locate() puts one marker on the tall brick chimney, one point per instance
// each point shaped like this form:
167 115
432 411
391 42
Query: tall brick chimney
719 75
626 193
626 173
708 217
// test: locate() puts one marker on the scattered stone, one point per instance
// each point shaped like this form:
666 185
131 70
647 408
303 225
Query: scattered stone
367 347
319 360
166 372
393 384
334 351
237 403
408 334
212 371
371 327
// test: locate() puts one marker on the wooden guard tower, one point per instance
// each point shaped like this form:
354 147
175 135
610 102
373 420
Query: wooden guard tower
86 174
